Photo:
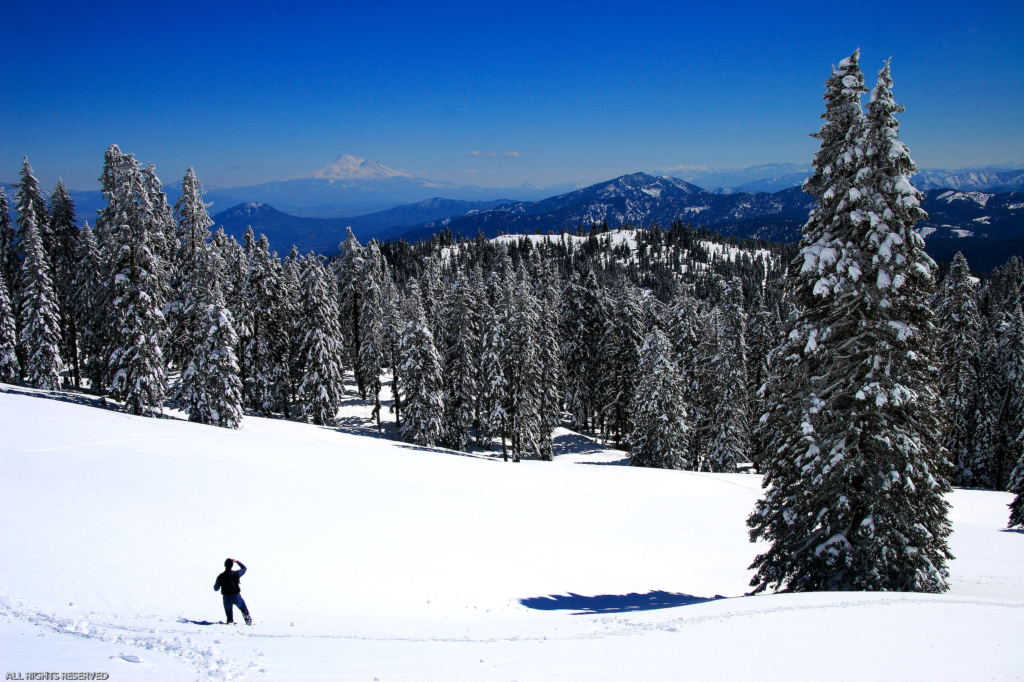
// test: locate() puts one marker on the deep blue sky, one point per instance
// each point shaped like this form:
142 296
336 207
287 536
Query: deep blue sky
582 91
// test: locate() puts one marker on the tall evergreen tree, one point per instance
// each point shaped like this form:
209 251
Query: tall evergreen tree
136 365
30 202
9 261
87 301
460 376
580 334
549 365
727 401
191 235
763 328
959 327
393 327
659 435
421 373
623 339
320 354
292 311
854 489
684 327
267 348
9 367
40 314
373 325
348 270
65 240
520 362
491 380
210 390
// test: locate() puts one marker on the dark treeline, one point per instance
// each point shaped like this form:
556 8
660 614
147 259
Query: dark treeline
859 377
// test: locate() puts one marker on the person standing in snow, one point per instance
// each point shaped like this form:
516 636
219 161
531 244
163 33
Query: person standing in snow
229 584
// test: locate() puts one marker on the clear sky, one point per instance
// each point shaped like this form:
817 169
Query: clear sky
581 91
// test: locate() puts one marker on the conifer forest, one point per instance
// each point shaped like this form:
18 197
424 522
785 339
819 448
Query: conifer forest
861 378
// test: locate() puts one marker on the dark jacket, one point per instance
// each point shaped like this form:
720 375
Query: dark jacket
229 582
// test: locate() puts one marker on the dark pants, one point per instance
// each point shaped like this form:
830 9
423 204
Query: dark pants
234 600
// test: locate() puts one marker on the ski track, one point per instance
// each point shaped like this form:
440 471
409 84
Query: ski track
212 660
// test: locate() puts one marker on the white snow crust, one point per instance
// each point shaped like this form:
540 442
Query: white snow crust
369 558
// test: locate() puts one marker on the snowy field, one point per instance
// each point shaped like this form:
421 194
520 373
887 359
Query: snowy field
370 559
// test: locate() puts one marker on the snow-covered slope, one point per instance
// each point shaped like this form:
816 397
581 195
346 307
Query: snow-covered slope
371 559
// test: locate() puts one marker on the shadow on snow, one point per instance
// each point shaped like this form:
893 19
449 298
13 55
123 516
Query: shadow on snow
614 603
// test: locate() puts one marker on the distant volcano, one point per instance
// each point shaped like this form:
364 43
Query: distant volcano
348 167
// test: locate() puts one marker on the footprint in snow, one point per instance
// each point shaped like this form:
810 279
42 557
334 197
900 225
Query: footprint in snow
131 658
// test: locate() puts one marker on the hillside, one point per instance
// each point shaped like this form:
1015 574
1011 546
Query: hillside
430 564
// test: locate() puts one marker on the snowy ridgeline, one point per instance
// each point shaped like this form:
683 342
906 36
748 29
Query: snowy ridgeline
369 558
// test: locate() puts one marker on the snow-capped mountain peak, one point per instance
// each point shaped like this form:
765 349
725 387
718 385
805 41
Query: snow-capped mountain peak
348 167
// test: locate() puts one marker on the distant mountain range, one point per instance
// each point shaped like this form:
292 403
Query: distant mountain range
773 177
323 235
355 186
639 199
760 201
770 177
988 226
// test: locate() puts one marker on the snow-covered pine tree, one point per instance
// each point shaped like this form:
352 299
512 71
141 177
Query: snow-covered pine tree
684 327
623 338
580 334
855 484
292 314
423 401
87 300
462 337
267 347
137 326
549 363
992 449
491 380
162 229
373 325
1012 408
65 239
726 401
433 292
9 261
763 328
520 362
10 370
348 271
210 390
320 354
979 466
236 264
706 385
30 201
659 437
956 316
193 220
40 313
191 236
393 311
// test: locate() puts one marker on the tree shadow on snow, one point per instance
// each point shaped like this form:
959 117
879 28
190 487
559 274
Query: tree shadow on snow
76 396
1011 530
614 603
